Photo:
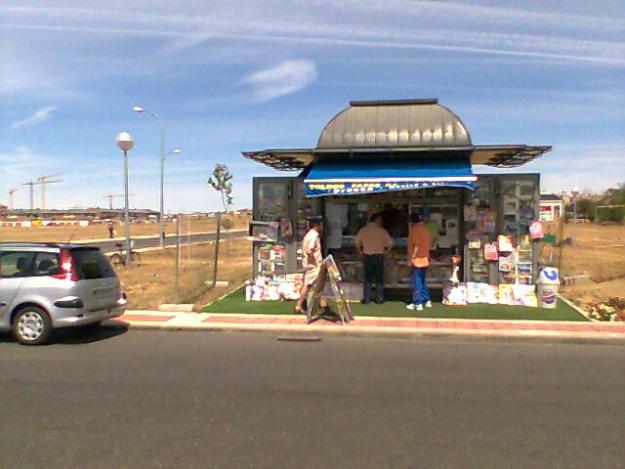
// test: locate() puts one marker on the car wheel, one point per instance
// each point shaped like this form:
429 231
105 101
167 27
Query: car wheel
32 326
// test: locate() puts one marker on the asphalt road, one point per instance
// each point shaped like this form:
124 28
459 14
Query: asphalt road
109 246
196 399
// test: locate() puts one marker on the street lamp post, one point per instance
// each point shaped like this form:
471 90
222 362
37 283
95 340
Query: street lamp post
163 156
575 193
125 143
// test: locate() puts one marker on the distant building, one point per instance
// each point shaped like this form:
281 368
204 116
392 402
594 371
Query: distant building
90 214
551 207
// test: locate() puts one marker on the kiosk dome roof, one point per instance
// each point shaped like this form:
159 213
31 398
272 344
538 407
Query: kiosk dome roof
396 123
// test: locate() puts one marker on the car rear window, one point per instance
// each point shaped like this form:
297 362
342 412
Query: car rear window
92 264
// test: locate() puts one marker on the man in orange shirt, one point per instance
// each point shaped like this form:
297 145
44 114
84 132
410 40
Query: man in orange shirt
373 242
419 243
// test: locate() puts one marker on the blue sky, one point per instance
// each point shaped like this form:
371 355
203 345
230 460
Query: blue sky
246 75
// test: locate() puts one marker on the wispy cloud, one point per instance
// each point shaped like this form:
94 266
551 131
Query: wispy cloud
402 24
288 77
39 116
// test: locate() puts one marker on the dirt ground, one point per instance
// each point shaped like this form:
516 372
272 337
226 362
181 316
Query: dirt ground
153 282
65 233
599 251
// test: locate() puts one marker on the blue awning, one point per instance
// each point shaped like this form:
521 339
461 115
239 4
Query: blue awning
368 176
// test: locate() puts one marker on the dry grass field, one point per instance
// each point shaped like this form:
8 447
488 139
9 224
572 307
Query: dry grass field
599 251
152 283
64 233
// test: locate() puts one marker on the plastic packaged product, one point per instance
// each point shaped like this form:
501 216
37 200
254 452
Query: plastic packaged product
455 295
506 263
504 243
475 244
478 292
536 230
490 252
525 295
506 294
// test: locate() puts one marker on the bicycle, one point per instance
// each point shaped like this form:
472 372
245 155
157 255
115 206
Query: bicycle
119 259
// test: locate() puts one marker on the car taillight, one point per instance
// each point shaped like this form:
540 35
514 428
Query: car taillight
68 267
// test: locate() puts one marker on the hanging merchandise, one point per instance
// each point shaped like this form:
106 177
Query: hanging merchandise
490 252
475 244
536 230
504 243
506 263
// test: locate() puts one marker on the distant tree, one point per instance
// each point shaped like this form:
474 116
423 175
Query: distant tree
613 196
585 208
220 180
616 195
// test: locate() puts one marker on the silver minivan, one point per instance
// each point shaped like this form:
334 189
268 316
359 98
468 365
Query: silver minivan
44 286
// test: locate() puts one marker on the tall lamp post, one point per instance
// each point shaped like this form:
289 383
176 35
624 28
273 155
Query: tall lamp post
125 143
163 156
575 193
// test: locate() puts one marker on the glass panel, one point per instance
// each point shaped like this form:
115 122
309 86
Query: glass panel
16 264
92 264
480 228
272 201
47 263
272 206
519 212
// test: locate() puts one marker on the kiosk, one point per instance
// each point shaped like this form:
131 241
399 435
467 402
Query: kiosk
397 157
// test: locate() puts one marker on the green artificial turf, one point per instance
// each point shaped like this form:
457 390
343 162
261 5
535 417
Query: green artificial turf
235 303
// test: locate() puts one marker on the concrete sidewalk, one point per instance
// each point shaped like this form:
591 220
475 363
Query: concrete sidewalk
400 327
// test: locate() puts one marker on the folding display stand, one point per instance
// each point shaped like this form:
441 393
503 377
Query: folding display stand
316 309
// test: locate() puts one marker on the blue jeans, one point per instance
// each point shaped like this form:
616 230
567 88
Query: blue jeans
420 292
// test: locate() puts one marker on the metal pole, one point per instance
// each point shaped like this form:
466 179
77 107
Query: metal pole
176 294
127 211
218 221
574 218
162 226
188 240
561 250
43 194
32 196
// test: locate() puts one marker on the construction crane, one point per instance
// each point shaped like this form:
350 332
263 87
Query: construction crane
43 180
110 198
11 192
32 184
